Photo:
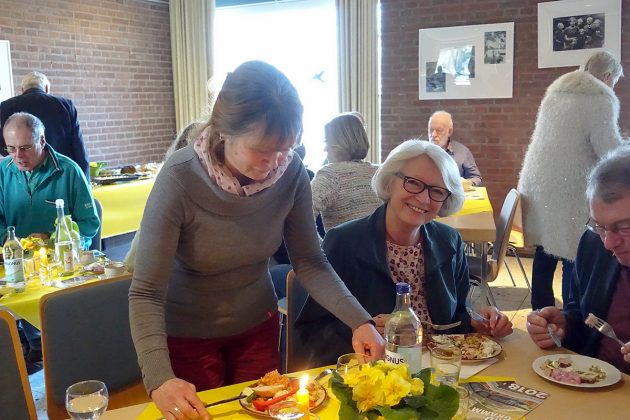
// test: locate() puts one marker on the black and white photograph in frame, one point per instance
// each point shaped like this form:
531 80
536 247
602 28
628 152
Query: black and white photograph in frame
570 31
466 62
494 43
579 32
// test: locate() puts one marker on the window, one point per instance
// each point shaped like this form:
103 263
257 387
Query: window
299 38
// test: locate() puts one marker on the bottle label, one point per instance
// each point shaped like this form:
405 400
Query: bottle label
14 270
410 355
68 261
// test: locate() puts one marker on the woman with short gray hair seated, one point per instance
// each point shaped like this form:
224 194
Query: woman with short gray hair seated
400 242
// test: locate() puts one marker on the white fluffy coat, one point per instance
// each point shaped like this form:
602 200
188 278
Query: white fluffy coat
575 126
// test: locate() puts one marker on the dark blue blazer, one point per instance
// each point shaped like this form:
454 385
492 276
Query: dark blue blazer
593 283
60 119
357 251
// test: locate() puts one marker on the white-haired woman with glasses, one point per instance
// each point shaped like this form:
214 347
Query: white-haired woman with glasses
400 242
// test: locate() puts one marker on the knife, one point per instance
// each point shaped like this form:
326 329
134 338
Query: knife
227 400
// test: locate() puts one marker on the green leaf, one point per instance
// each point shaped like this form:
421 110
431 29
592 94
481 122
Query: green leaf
416 401
442 402
425 375
406 413
347 412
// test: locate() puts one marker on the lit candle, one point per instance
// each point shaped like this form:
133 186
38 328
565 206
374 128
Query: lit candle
43 258
302 395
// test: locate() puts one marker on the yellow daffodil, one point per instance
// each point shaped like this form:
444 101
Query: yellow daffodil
417 386
367 396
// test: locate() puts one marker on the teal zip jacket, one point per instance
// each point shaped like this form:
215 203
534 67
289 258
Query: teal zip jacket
28 203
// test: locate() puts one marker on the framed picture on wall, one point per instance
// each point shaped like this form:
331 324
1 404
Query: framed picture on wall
466 62
569 31
6 75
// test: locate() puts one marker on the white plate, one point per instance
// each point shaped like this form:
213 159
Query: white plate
321 397
581 363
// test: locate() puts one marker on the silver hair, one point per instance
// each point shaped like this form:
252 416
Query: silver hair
346 137
446 114
35 79
411 149
609 180
602 63
30 121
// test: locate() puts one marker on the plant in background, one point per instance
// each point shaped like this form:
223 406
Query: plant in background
382 390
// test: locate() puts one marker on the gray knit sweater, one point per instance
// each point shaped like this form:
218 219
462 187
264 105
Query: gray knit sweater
342 191
202 263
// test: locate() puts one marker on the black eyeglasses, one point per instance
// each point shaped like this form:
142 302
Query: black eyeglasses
415 186
621 228
12 149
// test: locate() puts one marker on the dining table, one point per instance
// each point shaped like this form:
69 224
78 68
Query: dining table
514 363
123 205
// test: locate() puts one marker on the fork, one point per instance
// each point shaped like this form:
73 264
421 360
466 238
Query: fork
602 326
441 327
477 316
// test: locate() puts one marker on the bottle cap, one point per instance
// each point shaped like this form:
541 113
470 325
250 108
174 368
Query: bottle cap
59 202
402 288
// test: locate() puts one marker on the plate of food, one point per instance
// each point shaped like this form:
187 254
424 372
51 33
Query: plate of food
104 180
576 370
474 347
274 388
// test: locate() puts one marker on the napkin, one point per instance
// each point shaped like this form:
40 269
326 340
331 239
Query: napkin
468 369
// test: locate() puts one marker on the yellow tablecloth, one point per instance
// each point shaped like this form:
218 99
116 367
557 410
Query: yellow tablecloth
123 205
26 305
477 201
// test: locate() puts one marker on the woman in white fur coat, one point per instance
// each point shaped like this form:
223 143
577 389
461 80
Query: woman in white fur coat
576 125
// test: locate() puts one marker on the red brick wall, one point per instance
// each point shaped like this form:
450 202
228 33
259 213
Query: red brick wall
496 130
112 58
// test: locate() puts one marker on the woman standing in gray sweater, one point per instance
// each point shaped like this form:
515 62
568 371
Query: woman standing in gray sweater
202 306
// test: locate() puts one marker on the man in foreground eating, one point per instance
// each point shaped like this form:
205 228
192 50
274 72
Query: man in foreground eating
601 278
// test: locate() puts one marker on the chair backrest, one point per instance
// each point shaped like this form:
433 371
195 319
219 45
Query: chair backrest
96 240
16 400
296 297
504 227
86 335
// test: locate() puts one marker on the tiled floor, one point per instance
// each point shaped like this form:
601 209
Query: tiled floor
513 300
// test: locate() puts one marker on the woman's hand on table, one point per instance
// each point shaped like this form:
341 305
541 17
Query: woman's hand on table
537 322
367 340
177 399
498 325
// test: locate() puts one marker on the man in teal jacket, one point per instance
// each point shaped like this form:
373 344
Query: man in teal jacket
31 179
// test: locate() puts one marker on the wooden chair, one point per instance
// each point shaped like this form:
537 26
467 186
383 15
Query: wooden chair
86 335
16 399
296 297
499 247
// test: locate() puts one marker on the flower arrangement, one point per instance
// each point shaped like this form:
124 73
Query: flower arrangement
382 390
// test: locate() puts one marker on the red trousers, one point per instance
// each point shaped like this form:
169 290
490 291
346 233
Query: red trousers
214 362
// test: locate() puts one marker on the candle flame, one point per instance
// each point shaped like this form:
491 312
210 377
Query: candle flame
303 381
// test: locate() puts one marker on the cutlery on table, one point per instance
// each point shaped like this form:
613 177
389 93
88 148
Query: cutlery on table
478 317
441 327
554 337
603 327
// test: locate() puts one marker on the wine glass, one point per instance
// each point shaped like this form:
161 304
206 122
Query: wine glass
349 361
290 410
87 400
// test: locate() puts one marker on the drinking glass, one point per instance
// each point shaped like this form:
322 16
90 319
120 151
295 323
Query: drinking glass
86 400
464 401
349 361
446 361
286 410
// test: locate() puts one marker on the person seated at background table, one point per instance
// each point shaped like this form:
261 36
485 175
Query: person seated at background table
440 132
341 189
202 307
31 179
399 242
601 278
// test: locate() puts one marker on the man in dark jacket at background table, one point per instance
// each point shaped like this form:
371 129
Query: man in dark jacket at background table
58 114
